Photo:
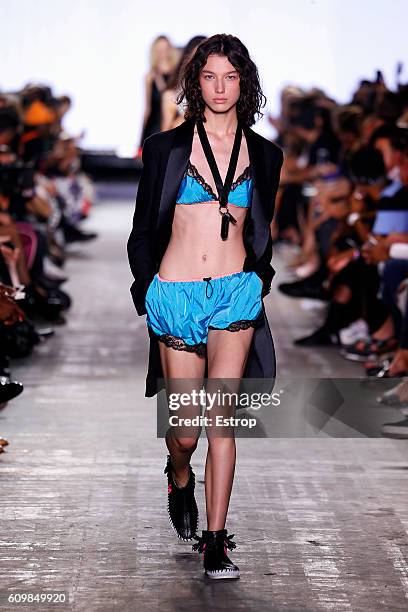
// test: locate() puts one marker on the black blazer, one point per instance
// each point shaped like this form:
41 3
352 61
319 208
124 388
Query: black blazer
165 158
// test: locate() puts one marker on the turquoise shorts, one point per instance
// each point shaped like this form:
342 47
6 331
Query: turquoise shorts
180 313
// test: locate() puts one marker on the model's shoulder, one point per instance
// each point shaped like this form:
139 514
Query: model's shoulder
162 140
156 142
270 147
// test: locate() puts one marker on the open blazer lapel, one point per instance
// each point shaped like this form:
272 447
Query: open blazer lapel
176 166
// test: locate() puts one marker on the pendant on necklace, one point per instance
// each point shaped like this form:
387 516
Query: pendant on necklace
225 221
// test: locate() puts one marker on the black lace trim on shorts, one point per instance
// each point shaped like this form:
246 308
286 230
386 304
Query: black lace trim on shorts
201 348
238 325
179 345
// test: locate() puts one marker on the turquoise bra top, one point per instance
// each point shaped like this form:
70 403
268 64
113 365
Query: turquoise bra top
194 189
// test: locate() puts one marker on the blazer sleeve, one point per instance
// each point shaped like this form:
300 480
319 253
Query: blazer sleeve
139 243
264 267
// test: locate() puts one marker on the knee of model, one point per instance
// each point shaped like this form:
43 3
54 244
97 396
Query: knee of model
186 445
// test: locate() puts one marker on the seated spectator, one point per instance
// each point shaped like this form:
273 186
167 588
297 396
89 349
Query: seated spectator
44 196
348 202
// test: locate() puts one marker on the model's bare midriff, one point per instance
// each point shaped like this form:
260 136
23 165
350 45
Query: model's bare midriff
196 249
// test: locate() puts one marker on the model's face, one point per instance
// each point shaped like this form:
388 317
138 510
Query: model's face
219 82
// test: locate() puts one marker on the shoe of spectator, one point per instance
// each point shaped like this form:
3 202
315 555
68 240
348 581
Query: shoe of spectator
47 306
18 340
73 234
375 365
3 442
56 255
321 337
302 289
396 430
9 389
306 269
364 349
44 333
48 283
52 271
385 373
60 296
59 320
392 399
357 330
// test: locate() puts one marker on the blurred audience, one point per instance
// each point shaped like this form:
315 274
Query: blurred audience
44 196
343 201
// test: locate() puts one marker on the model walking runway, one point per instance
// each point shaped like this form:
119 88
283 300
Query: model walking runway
322 522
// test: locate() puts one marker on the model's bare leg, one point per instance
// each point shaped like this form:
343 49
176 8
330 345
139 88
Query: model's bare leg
182 442
227 355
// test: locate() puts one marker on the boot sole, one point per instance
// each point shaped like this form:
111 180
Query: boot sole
222 574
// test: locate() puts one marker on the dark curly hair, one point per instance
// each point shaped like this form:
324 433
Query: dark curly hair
251 98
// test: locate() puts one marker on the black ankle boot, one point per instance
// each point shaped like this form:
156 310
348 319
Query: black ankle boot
182 506
214 545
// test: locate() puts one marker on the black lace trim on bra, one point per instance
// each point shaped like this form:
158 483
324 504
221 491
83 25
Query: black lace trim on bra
244 176
192 171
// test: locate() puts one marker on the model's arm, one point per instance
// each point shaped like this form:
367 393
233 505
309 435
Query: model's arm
139 242
263 266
